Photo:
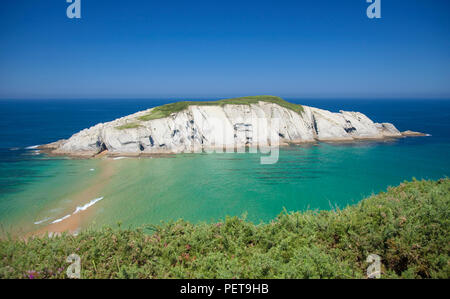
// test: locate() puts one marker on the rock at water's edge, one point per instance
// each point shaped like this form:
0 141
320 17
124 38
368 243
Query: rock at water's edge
409 133
203 127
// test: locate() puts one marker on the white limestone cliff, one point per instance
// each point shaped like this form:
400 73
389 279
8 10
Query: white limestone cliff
203 127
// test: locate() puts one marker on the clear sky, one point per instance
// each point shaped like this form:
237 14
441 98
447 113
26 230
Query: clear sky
167 48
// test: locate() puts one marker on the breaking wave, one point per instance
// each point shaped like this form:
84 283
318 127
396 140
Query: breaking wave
42 221
61 219
32 147
77 210
91 203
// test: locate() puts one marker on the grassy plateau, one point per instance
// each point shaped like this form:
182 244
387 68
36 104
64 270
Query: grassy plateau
168 109
128 126
407 226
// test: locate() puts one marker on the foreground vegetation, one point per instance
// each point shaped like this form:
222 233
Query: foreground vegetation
168 109
407 226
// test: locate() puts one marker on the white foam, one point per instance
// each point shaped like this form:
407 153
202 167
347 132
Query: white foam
92 169
42 221
119 158
79 209
32 147
91 203
61 219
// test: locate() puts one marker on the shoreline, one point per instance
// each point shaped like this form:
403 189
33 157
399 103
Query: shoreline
72 222
228 124
191 245
84 206
50 149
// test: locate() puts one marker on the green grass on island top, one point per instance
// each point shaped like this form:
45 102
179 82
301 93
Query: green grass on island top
128 126
166 110
407 226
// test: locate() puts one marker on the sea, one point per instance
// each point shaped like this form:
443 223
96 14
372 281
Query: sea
37 190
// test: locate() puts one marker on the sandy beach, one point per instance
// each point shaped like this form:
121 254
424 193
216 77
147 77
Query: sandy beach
74 221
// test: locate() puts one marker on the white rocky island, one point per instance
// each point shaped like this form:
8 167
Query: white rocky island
240 122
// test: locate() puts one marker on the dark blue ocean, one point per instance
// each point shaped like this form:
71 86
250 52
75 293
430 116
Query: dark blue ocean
30 122
34 187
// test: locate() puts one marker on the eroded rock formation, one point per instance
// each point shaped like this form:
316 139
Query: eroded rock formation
202 127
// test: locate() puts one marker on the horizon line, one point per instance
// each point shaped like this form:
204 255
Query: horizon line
207 97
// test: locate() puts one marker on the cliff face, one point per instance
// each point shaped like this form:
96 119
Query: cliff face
204 127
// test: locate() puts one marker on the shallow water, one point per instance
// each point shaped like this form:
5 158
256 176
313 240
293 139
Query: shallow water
206 187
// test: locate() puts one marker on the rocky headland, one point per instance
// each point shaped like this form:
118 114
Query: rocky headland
240 122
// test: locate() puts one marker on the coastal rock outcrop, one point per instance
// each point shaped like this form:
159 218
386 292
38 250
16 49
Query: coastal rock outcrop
200 127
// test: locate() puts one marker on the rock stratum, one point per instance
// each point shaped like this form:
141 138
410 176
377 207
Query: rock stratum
197 126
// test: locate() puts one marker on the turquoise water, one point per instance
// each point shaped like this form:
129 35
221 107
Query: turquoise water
210 186
207 187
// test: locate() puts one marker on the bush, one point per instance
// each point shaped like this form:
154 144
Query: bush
168 109
406 226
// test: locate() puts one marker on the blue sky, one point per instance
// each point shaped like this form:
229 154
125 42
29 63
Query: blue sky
151 49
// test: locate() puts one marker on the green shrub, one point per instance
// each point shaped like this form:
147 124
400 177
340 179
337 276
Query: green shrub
128 126
407 226
168 109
